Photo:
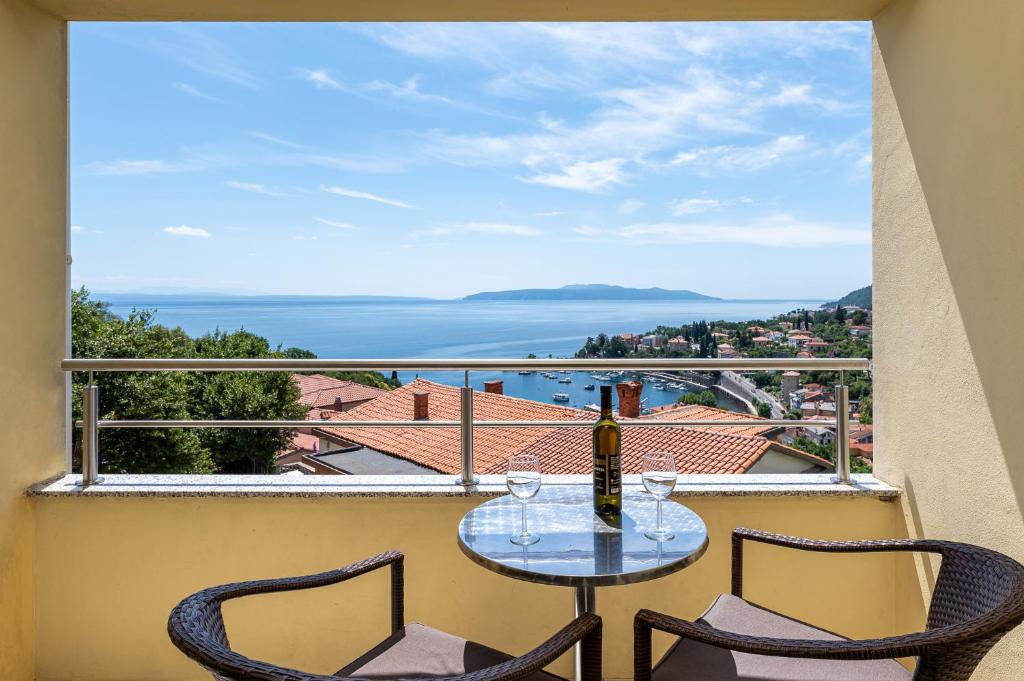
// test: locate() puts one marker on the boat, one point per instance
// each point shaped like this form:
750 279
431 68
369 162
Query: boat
560 397
588 386
592 407
565 380
659 387
525 373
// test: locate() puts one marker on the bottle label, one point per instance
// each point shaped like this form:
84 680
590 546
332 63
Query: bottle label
607 478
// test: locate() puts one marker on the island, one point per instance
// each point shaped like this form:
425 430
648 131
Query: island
591 292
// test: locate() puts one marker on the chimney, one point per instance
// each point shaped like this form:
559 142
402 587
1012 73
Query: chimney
629 399
496 387
420 411
338 404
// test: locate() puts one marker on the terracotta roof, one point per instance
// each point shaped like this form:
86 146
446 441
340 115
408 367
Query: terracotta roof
439 448
562 450
696 450
318 391
698 412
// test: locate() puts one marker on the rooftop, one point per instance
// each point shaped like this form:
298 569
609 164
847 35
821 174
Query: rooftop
319 391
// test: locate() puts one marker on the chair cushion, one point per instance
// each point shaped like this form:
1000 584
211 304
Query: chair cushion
418 651
688 659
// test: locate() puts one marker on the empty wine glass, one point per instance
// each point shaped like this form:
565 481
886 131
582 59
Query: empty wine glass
659 476
523 480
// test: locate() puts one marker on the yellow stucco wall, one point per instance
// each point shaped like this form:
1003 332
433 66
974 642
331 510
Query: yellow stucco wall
949 273
109 570
33 245
461 10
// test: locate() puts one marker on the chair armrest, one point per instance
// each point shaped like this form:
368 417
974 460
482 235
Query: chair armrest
828 546
871 649
585 629
196 625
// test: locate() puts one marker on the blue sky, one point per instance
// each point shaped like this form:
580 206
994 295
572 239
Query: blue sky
445 159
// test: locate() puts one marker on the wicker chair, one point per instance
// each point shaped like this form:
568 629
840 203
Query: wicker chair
978 597
197 628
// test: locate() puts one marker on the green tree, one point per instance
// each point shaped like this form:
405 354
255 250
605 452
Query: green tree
374 379
764 410
705 398
95 332
247 395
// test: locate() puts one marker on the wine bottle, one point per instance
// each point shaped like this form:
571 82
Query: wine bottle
607 459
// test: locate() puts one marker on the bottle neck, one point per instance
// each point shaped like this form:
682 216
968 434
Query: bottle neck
606 404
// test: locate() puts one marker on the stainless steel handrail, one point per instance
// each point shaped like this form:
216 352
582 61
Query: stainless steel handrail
742 364
92 424
341 423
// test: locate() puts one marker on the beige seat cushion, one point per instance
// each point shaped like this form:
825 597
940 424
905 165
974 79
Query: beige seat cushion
416 650
689 660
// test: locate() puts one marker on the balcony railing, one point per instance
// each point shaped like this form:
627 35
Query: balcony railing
91 424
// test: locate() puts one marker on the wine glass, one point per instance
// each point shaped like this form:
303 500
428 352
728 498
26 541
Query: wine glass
523 482
659 476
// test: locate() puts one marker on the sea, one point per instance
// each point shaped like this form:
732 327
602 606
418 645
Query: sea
346 328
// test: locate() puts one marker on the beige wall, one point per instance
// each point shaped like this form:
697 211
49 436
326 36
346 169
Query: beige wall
949 272
109 570
32 281
460 10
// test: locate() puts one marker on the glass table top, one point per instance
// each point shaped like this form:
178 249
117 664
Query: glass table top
576 547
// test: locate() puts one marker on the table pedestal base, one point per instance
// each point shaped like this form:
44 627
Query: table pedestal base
586 601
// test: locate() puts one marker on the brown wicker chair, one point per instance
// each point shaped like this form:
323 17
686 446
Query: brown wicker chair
978 597
197 628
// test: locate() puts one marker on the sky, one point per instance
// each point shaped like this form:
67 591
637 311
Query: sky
445 159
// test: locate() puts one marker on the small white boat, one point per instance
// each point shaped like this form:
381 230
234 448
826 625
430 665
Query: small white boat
592 407
560 397
565 380
525 373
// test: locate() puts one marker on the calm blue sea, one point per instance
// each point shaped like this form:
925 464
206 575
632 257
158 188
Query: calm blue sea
451 329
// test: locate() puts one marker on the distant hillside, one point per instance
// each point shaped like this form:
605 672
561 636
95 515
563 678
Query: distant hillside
861 298
590 292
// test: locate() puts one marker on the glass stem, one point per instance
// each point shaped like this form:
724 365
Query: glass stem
525 533
659 515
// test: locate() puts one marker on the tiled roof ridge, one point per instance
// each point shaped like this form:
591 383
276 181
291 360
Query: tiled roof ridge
532 403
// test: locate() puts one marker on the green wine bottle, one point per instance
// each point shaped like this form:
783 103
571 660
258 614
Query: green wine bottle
607 459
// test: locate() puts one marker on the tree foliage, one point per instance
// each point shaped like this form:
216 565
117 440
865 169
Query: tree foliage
95 332
704 397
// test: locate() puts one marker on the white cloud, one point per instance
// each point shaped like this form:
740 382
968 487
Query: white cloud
321 78
499 228
332 223
154 166
356 194
587 176
550 213
193 91
77 228
407 89
692 206
744 158
587 231
266 137
780 231
801 95
254 188
630 206
185 230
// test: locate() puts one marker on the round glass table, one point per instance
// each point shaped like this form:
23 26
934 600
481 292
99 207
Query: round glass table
578 548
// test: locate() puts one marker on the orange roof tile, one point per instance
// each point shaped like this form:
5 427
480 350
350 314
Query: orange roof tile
317 390
568 450
697 412
562 450
440 448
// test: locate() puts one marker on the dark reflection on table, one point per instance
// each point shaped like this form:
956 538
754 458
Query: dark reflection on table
576 546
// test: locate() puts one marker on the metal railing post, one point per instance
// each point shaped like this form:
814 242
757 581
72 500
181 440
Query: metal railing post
842 403
466 431
90 434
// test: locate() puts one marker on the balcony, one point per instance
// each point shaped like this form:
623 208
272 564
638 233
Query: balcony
87 579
